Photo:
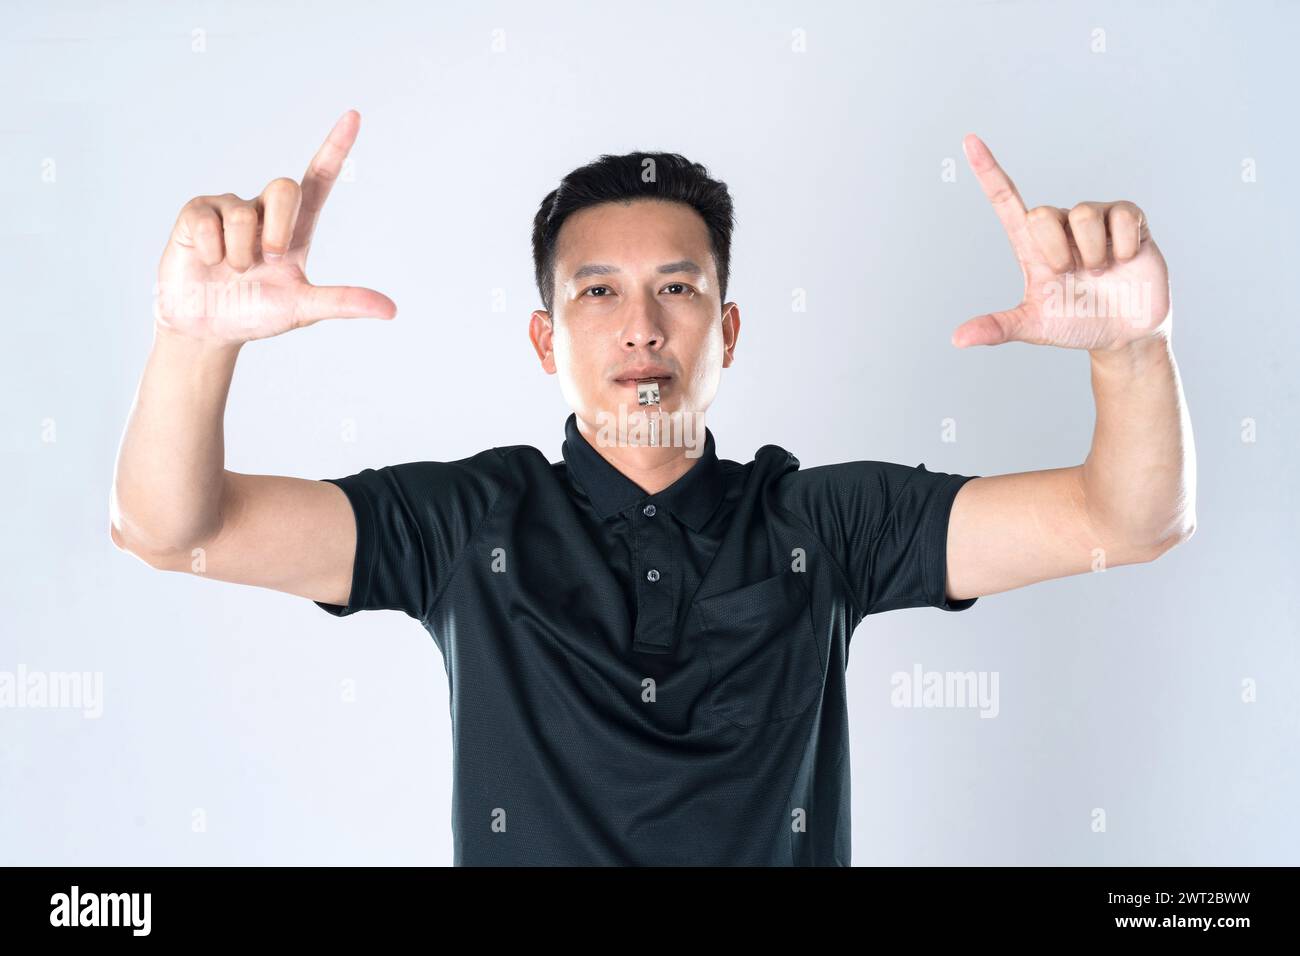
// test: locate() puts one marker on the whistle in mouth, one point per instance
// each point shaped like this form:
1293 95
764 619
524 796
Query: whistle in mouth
647 393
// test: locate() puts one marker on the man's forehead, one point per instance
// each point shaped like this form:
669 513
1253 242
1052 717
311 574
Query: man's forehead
642 233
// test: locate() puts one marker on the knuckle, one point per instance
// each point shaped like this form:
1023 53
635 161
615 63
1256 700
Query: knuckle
1124 215
1043 214
1083 213
322 172
241 216
283 187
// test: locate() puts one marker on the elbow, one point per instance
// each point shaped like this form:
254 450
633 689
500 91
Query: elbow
1181 533
116 536
156 559
144 541
126 547
117 533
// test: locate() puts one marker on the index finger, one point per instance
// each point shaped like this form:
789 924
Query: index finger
999 189
322 172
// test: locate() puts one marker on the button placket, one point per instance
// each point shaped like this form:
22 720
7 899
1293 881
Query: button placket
649 511
656 599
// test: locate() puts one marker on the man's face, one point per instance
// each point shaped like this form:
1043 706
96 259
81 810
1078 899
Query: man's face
636 296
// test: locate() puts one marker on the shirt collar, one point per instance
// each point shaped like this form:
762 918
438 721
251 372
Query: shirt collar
692 498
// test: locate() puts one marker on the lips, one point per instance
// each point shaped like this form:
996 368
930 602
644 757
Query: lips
641 373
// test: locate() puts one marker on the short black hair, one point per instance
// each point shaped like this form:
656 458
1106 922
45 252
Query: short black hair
642 175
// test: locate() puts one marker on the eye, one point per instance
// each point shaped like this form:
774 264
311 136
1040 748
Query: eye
592 290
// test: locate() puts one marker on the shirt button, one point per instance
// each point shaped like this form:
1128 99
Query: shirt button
652 575
648 511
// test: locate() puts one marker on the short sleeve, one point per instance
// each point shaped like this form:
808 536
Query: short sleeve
887 526
413 522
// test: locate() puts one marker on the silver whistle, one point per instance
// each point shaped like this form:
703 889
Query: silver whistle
647 393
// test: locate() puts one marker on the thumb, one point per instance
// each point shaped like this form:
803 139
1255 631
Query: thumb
318 302
992 328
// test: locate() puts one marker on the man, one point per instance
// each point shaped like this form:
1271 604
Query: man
645 643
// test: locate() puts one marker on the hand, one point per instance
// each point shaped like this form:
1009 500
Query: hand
1094 278
233 269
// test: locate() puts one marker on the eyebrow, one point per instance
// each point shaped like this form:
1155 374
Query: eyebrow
600 269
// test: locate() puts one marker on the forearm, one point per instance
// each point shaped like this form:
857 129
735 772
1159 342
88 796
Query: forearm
170 469
1139 478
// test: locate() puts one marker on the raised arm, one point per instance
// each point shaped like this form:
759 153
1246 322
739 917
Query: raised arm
1095 280
234 271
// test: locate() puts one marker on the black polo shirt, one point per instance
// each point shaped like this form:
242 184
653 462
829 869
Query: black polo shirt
648 679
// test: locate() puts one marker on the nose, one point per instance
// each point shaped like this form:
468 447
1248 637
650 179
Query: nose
644 328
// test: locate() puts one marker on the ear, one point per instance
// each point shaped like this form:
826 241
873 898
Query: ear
540 331
730 332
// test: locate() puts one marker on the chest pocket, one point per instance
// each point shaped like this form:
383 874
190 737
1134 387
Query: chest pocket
764 660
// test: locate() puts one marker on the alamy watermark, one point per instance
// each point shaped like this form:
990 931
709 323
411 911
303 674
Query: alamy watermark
53 690
635 426
951 689
233 299
1069 298
75 908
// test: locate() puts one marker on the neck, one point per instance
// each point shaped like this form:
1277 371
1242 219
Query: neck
652 469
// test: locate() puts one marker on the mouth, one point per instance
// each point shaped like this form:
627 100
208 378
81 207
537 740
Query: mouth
663 380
